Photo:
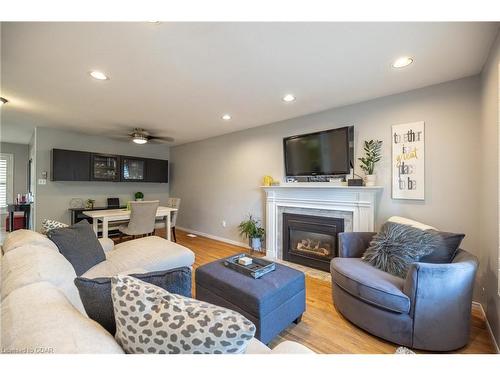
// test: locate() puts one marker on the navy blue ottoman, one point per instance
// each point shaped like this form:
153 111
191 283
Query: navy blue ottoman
272 302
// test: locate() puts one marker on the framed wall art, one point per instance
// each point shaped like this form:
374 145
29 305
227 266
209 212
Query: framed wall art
408 161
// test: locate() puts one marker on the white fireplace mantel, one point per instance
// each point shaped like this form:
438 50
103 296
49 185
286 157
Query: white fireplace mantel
360 201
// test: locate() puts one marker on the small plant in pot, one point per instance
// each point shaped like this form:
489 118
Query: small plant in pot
252 230
372 156
139 196
90 203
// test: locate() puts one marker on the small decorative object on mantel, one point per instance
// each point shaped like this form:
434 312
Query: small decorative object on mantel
252 230
372 156
90 203
257 268
408 161
269 181
139 196
355 182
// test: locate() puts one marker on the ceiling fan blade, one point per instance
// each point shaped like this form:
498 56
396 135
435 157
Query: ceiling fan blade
161 139
122 138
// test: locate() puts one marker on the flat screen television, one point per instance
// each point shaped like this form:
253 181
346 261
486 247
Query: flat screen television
324 153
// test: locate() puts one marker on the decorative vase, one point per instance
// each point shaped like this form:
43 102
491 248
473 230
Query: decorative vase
256 243
370 180
139 199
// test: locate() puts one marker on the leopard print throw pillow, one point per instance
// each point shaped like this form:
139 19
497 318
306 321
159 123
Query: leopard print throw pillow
48 225
151 320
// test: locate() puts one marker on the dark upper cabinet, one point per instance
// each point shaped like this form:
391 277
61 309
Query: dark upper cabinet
156 170
105 167
68 165
133 169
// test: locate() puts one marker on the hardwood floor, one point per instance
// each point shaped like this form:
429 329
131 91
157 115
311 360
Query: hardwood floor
322 328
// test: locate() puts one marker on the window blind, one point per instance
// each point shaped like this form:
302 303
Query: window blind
5 179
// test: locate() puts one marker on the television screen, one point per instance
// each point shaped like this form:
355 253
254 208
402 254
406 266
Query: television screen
322 153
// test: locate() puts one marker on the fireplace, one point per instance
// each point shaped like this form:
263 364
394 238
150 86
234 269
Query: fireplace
311 240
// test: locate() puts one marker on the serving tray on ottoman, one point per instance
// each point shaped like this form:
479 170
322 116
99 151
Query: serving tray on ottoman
271 302
256 269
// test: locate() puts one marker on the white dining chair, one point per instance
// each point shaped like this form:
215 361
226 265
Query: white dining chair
172 203
142 219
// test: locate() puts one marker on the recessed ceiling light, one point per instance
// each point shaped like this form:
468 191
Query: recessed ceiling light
402 62
3 101
288 98
98 75
226 117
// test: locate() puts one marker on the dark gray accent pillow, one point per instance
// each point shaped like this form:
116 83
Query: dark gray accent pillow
96 293
397 246
79 245
446 252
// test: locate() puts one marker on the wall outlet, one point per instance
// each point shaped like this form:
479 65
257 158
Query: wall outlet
223 223
42 181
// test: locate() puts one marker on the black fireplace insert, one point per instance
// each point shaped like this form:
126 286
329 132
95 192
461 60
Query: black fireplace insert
311 240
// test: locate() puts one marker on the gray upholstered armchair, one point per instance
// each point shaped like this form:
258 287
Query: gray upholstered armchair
429 310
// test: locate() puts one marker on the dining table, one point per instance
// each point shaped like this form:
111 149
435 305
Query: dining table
122 214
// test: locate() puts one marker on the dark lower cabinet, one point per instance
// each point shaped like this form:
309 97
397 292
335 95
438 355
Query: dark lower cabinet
156 170
68 165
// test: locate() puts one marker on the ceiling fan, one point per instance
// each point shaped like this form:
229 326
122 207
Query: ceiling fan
141 136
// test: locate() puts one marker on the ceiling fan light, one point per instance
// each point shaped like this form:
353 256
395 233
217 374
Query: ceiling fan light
140 140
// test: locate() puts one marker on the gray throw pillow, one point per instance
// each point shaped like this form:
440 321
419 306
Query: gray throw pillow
446 252
79 245
152 320
96 293
397 246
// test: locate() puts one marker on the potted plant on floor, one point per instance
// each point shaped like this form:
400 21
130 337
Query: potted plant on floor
252 230
139 196
372 156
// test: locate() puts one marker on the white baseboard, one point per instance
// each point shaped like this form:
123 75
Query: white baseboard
217 238
487 325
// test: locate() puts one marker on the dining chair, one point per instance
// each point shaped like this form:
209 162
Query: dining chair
172 203
142 219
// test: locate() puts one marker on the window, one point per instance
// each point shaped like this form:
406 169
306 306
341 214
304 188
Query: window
6 179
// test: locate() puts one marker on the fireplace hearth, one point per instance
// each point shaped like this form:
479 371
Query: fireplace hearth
311 240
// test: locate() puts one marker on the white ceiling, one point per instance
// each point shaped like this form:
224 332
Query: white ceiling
177 79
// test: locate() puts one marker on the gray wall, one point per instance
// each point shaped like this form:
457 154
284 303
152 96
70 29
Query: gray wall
21 156
489 217
219 178
52 200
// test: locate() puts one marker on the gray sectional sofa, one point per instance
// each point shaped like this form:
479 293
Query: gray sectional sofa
41 309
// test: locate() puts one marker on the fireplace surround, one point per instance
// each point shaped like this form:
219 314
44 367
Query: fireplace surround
356 205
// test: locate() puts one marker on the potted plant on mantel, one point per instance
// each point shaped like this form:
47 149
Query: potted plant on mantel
372 156
252 230
139 196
